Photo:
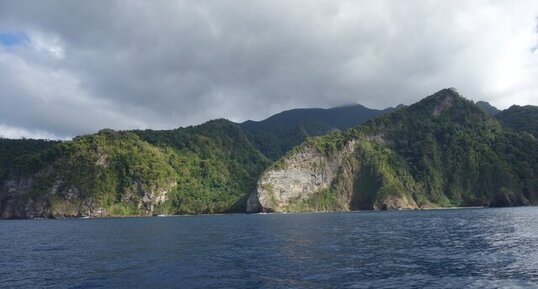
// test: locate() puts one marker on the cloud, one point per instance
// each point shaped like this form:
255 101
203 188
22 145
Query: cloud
535 47
16 133
138 64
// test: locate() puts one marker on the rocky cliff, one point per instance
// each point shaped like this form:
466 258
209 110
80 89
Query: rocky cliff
442 151
347 178
85 183
300 175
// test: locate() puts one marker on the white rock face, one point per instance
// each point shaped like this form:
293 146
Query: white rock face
153 198
303 174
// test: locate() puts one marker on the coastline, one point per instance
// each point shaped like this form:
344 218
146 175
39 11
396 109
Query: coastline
259 213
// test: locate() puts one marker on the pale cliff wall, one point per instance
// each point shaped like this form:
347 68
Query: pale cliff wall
298 178
312 180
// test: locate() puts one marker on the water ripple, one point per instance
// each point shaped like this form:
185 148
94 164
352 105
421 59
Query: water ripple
468 248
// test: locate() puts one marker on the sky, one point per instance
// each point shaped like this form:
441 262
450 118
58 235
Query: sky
74 67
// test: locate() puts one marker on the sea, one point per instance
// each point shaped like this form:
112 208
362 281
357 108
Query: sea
451 248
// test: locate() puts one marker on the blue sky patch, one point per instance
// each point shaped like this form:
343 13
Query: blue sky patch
12 39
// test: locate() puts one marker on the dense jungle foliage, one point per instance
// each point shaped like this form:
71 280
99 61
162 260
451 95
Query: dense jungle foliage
520 118
441 151
209 168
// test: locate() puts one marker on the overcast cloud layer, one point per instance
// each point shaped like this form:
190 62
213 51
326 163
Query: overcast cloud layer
74 67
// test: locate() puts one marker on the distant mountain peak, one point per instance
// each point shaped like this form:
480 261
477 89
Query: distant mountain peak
443 96
528 106
520 118
277 134
487 107
446 92
440 102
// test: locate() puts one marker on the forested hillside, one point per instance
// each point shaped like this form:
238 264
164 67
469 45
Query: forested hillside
279 133
441 151
204 169
520 118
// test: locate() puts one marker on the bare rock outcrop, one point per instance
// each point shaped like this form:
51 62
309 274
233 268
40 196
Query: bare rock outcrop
300 176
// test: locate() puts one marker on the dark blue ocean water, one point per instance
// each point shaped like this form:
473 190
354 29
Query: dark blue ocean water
465 248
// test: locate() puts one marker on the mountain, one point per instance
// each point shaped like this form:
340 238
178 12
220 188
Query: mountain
279 133
209 168
441 151
520 118
488 108
218 167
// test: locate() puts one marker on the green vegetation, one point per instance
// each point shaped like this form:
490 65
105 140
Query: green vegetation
114 167
441 151
16 153
276 135
204 169
520 118
461 154
487 108
217 167
322 201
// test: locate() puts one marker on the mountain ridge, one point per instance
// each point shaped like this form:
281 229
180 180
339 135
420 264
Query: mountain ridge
440 151
520 118
409 157
487 107
209 168
292 127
